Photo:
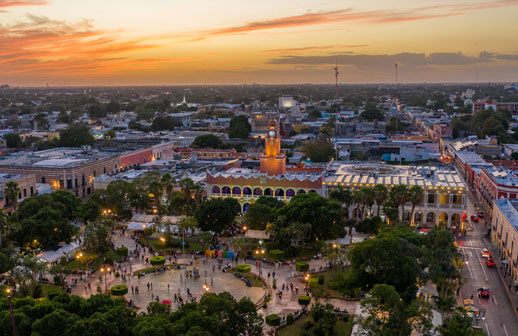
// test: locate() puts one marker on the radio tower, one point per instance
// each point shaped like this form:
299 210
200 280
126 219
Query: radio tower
396 73
336 79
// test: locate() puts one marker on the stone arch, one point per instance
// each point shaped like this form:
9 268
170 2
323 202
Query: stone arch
268 192
215 190
245 207
418 218
225 190
406 215
279 192
443 218
430 219
258 192
247 191
346 213
357 213
301 191
455 221
236 191
312 191
290 193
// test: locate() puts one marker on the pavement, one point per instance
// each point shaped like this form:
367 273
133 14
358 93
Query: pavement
500 318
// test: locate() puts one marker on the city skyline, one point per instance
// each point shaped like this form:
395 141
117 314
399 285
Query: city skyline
60 42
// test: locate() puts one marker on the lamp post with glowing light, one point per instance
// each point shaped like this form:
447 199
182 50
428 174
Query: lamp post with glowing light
13 324
105 272
78 257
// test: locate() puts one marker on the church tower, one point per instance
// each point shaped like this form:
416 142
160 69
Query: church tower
273 162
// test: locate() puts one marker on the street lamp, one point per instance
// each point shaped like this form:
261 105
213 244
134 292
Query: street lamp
13 324
205 288
105 270
78 257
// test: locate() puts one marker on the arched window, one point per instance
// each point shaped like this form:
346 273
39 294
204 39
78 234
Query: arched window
236 191
225 190
247 191
279 192
258 192
290 193
215 190
301 191
268 192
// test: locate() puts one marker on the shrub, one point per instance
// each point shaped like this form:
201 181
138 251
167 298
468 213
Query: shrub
312 282
156 261
122 251
289 319
276 254
37 292
57 280
304 300
302 266
243 268
53 293
321 279
273 320
308 323
112 256
119 290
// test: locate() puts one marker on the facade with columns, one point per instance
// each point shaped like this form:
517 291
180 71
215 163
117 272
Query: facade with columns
273 179
445 192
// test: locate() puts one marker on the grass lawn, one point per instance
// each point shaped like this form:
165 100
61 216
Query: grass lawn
328 275
341 329
98 261
47 288
255 281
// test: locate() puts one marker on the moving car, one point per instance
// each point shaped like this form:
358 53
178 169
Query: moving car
485 253
474 218
484 292
490 262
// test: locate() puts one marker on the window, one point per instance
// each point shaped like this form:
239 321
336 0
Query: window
24 192
69 183
32 191
43 179
105 170
95 173
83 180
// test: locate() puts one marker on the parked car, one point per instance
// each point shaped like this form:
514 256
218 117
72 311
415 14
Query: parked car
484 292
490 262
485 253
474 218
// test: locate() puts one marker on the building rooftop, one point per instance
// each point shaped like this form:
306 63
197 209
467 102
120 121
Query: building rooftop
503 176
510 210
340 173
470 157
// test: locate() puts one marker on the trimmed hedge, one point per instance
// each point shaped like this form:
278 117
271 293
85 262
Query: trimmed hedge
321 279
273 320
243 268
276 254
289 319
312 282
122 251
119 290
302 266
156 261
304 300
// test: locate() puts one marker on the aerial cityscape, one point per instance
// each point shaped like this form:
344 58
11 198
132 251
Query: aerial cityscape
246 168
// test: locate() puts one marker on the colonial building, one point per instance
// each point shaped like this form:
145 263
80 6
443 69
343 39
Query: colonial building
272 179
504 233
445 192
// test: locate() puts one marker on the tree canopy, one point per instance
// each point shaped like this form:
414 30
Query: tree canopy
75 135
239 127
217 214
207 141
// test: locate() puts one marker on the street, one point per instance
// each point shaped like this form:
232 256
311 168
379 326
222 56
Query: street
499 318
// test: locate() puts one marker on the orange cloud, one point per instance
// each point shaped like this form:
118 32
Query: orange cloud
314 48
41 46
368 17
15 3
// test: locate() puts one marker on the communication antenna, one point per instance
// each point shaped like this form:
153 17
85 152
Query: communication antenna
336 79
396 72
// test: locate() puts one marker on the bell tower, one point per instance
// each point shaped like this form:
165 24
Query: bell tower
273 162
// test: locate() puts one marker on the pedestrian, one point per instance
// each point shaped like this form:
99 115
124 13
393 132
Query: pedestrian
132 290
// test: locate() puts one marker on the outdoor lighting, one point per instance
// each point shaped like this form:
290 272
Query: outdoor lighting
334 245
162 239
244 228
256 252
260 242
154 211
205 288
8 290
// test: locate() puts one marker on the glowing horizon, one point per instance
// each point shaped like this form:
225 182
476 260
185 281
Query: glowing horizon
160 42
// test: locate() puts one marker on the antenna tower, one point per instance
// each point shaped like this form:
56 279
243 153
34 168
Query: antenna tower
336 79
396 72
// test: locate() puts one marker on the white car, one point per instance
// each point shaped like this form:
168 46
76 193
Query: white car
485 253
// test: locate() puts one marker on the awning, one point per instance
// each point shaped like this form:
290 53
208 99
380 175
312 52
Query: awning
51 256
139 226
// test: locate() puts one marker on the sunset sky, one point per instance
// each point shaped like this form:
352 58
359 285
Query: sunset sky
156 42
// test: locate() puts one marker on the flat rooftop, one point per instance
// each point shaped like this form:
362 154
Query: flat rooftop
340 173
510 210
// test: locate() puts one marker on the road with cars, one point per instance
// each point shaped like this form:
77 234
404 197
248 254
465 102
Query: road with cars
497 316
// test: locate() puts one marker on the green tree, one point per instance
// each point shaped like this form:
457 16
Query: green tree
216 214
13 140
380 196
399 196
372 113
388 315
41 122
12 193
319 150
75 135
239 127
96 236
314 114
207 141
456 325
258 215
416 197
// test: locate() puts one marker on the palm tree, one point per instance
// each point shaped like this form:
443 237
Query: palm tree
343 196
168 183
368 198
380 196
416 196
156 188
399 195
11 193
3 225
358 198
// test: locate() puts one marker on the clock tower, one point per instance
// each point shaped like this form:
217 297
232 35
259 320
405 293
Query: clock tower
273 162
